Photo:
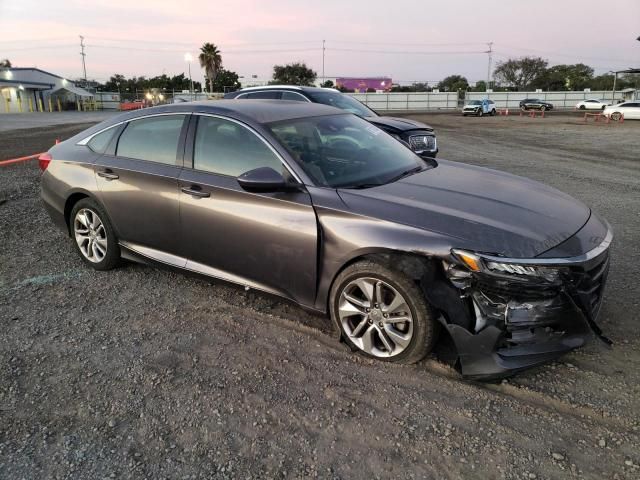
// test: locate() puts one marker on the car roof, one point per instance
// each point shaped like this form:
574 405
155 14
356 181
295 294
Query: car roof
295 88
259 111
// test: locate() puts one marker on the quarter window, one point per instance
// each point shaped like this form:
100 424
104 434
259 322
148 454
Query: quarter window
155 139
100 142
228 148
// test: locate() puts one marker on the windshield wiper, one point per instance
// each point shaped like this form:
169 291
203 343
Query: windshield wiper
360 186
406 173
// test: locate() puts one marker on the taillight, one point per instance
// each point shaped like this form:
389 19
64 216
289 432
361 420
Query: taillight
44 160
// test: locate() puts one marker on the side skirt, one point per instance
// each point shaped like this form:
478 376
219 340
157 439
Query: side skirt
139 253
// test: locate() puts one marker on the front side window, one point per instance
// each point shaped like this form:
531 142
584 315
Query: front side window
154 139
343 102
345 151
228 148
293 96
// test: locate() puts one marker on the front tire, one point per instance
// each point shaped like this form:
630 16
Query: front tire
582 107
616 116
382 313
94 236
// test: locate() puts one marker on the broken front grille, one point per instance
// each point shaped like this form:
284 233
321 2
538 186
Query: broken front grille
422 142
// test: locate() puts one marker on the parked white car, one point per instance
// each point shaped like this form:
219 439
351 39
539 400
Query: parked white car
630 110
592 104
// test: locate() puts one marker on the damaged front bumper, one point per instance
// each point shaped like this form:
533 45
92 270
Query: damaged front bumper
505 321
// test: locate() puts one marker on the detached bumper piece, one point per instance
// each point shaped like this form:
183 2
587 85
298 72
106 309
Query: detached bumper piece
502 324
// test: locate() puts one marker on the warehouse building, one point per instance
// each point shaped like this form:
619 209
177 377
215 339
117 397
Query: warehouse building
32 89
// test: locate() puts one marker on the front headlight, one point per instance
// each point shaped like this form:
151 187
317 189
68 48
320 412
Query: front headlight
476 263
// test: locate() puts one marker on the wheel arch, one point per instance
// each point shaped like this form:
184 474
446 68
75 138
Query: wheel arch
71 200
414 265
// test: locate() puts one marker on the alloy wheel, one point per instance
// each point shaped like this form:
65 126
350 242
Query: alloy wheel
90 235
376 317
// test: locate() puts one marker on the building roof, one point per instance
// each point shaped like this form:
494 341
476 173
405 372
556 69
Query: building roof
17 69
31 85
71 88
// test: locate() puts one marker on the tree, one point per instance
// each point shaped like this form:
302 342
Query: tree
421 87
5 63
453 83
481 86
520 72
225 81
565 77
211 60
327 84
294 74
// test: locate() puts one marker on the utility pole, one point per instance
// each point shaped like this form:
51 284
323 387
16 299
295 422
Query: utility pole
323 79
489 52
82 54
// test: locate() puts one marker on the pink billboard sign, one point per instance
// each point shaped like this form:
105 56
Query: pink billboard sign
361 85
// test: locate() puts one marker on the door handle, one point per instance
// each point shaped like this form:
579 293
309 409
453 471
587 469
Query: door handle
195 192
109 175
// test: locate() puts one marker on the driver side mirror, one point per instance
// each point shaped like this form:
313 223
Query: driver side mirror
263 179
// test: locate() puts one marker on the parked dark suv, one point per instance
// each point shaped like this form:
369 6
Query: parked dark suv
317 205
535 104
420 137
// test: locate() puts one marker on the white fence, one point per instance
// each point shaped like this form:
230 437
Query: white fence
409 101
558 99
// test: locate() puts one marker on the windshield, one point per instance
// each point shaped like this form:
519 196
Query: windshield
475 102
345 151
343 102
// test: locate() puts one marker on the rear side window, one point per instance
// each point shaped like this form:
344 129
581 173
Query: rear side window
154 139
266 95
101 141
228 148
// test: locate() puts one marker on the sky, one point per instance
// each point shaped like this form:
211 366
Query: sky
407 40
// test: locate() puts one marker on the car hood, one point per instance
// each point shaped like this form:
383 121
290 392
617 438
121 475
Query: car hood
477 208
400 124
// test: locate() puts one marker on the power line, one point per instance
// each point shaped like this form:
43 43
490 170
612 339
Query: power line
407 52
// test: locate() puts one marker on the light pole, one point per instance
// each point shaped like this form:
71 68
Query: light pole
189 58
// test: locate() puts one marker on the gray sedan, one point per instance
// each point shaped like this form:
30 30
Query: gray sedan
319 206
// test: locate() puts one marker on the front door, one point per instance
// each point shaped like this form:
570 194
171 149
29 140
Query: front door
139 184
266 240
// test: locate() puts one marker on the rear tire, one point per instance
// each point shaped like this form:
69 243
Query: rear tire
382 313
93 235
543 108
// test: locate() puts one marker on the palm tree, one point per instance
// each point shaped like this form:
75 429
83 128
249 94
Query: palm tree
211 61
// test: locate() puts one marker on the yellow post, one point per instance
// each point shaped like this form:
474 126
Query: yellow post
59 106
19 104
40 108
6 104
78 105
30 104
50 105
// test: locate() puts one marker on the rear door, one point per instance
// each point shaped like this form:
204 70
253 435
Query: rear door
138 181
267 240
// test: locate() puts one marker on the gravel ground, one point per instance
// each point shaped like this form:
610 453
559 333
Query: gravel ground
147 373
